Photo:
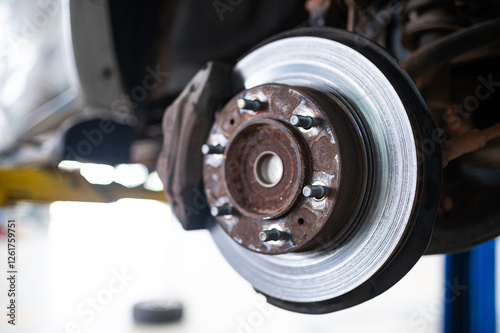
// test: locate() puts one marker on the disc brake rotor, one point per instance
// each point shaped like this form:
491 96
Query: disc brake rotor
315 175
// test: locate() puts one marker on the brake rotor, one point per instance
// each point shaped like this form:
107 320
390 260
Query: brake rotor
315 174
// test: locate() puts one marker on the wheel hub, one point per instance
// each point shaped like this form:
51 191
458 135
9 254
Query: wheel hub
287 165
264 169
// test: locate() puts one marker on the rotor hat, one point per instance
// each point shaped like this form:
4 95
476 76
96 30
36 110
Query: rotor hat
269 161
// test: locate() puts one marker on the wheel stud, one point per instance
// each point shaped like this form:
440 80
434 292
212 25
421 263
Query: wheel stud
314 191
221 210
304 122
209 149
249 104
270 235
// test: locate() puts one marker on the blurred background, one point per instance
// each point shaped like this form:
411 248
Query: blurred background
69 251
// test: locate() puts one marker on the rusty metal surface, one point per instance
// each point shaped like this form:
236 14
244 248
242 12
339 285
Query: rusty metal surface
443 50
185 126
424 21
257 137
469 142
330 153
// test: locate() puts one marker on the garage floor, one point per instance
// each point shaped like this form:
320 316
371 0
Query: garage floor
82 267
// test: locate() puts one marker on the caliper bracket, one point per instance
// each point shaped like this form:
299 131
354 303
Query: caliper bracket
186 124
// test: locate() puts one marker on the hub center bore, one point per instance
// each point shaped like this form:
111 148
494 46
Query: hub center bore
268 169
264 169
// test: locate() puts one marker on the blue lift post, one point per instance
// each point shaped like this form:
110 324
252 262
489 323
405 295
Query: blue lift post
470 291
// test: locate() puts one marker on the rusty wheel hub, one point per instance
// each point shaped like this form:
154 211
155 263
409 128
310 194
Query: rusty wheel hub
292 168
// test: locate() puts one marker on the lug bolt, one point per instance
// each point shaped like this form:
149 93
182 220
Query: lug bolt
314 191
305 122
209 149
223 210
249 104
270 235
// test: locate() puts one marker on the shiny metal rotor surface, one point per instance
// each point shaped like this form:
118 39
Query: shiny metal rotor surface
378 231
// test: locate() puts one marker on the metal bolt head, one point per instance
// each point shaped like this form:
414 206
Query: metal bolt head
314 191
270 235
209 149
221 210
249 104
304 122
